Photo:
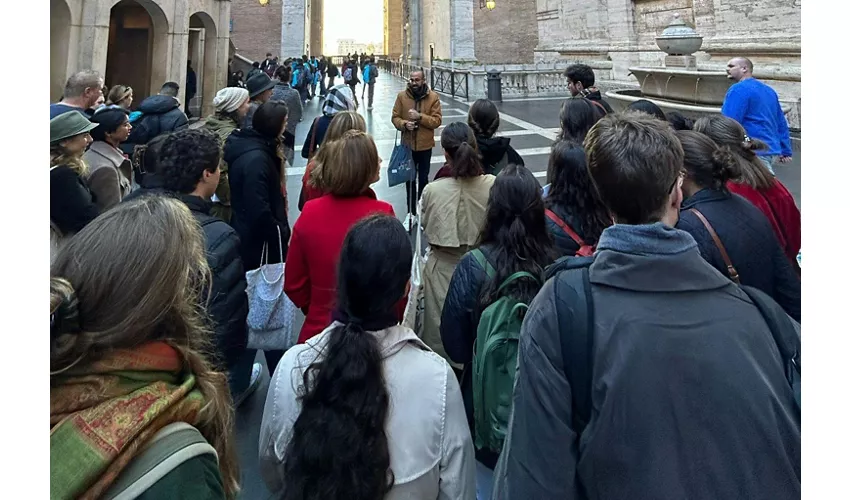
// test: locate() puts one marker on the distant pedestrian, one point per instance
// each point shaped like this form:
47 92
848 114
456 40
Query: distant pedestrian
417 113
339 99
333 72
370 75
120 95
581 82
283 91
82 92
349 77
756 107
260 89
323 71
255 69
161 114
268 65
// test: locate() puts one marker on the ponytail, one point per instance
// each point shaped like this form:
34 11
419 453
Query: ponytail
339 447
465 161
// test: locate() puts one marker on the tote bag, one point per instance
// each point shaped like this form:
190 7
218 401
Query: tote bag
270 312
414 311
401 167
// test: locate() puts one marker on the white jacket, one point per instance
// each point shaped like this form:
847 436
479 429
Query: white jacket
431 452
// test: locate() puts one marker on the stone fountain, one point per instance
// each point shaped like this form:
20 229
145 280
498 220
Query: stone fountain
679 85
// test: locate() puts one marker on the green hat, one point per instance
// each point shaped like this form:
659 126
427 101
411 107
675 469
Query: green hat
69 124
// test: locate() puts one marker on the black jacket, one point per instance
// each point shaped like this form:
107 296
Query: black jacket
333 71
72 204
151 184
595 95
161 114
492 150
564 244
750 242
321 125
228 302
688 391
257 200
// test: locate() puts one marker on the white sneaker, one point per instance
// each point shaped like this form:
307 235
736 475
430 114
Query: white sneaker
369 108
256 374
409 222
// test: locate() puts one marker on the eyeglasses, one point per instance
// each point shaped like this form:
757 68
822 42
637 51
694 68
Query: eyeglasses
679 178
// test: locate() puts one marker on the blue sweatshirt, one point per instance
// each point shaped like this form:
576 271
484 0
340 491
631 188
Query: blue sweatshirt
755 105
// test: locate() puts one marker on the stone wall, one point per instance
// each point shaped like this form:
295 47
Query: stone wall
435 28
393 28
506 34
293 32
256 29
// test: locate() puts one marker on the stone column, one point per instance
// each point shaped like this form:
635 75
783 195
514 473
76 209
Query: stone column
179 49
623 38
222 48
462 32
415 32
93 38
293 28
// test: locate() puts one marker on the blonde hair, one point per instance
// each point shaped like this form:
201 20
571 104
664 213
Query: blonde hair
351 162
341 123
135 275
60 156
118 93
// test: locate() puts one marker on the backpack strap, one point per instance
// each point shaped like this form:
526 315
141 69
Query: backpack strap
515 276
172 446
733 273
784 335
567 229
478 255
576 324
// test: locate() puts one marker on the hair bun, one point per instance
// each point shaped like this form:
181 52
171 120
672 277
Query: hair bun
64 308
726 165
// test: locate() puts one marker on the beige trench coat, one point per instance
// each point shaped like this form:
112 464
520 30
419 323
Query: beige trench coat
453 214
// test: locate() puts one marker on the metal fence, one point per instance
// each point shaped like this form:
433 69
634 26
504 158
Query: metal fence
454 83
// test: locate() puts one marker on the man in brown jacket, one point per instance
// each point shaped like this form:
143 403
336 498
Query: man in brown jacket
417 113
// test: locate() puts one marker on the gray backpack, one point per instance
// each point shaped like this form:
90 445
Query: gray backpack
170 447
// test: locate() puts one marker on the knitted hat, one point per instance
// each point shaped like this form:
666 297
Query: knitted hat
69 124
229 99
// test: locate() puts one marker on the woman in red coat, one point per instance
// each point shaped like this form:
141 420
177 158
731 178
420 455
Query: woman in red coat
756 183
352 165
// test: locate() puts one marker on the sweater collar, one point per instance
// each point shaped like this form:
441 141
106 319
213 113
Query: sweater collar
704 195
646 239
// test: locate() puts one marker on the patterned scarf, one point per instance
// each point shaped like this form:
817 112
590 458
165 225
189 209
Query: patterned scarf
102 415
339 98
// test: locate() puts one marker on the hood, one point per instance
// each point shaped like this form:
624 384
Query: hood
493 149
216 124
243 141
158 104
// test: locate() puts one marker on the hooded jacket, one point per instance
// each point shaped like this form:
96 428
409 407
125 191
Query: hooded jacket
431 111
493 149
689 397
257 201
161 114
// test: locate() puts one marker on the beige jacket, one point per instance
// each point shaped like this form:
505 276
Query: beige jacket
110 174
431 452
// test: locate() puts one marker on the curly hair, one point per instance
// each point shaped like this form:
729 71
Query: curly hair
184 157
572 189
339 447
515 227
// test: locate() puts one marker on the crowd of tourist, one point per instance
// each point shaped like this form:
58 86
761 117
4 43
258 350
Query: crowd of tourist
629 330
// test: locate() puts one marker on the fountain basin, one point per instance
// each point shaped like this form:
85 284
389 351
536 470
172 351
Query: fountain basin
692 87
620 99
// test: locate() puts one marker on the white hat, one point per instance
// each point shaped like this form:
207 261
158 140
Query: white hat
229 99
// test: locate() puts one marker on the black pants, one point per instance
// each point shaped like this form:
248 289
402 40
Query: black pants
353 87
371 93
422 160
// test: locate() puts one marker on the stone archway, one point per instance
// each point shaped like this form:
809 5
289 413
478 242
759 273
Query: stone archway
203 52
138 47
60 42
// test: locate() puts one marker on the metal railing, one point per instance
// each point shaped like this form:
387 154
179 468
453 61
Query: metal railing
454 83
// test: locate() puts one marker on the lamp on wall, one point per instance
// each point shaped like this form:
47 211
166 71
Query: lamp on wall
489 4
264 3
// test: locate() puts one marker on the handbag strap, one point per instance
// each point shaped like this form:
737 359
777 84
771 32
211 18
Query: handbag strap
313 138
733 273
567 229
265 255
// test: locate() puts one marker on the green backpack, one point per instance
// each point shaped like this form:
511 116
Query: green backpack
494 361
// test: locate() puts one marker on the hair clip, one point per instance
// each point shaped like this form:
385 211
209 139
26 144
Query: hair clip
747 138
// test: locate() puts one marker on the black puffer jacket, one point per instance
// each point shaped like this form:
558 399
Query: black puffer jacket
493 149
228 303
564 244
161 114
257 200
750 242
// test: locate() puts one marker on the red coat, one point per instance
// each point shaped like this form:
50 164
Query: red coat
311 263
310 193
779 207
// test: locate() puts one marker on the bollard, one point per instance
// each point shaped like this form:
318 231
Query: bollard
494 86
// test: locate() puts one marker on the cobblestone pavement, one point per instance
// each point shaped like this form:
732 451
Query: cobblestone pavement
531 124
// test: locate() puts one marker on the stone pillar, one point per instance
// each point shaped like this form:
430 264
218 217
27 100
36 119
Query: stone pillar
93 38
623 47
462 30
415 32
222 39
196 55
293 30
179 50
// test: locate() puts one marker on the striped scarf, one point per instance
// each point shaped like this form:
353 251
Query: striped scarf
101 415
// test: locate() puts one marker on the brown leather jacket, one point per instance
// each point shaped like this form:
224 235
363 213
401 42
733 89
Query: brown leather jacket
422 138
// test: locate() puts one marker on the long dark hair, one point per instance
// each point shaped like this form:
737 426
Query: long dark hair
483 118
572 189
727 132
515 228
461 149
577 116
339 448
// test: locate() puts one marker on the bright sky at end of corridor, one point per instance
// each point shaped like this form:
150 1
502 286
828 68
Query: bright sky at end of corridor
363 21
